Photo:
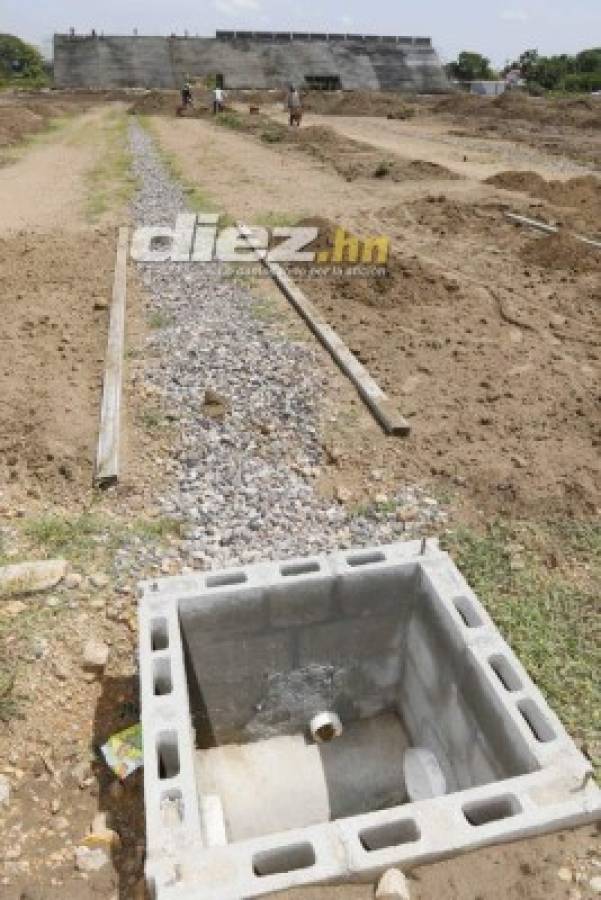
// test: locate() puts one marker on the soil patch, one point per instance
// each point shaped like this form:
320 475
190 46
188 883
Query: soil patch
54 295
579 112
28 113
403 284
360 103
581 195
562 251
500 388
350 158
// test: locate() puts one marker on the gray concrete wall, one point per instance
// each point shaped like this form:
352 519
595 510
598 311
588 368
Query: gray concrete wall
261 663
405 64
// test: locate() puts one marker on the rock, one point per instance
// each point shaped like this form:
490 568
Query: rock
565 874
4 791
95 655
343 495
14 607
557 321
29 577
73 580
99 580
393 886
101 835
88 859
215 406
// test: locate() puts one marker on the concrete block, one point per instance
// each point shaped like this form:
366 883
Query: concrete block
406 650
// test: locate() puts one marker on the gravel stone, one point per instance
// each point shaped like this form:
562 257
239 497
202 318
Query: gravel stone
242 492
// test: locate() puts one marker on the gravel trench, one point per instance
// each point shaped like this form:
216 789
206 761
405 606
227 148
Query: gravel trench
243 485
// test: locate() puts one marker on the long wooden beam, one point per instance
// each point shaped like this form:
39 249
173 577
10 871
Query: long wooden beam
372 395
107 456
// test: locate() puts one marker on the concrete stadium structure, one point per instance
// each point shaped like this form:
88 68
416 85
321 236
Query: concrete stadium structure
250 59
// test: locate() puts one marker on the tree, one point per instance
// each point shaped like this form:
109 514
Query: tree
20 61
527 61
471 66
588 61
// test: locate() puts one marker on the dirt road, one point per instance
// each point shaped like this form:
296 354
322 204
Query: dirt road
46 187
427 138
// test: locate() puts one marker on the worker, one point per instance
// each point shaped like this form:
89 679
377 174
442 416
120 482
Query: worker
218 100
187 95
295 106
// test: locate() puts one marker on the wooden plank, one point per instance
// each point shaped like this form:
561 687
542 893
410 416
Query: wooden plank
370 392
549 229
107 456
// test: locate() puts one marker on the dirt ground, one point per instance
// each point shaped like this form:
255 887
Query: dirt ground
485 335
498 375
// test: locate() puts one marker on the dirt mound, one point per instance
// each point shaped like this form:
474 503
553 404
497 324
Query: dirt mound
166 103
562 251
16 123
359 103
515 105
582 194
352 159
407 280
461 103
23 113
441 214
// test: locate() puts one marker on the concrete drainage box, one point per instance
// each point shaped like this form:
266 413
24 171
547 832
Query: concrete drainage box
390 643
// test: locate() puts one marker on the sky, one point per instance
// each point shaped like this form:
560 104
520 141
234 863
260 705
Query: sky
501 30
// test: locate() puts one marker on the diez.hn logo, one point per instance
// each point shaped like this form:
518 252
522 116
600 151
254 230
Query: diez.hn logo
197 238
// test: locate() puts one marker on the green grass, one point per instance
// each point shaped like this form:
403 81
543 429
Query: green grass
152 419
59 535
273 135
160 319
275 219
229 120
89 541
264 309
110 183
90 536
540 584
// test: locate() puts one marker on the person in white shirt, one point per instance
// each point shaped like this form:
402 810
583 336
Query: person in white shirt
218 100
295 106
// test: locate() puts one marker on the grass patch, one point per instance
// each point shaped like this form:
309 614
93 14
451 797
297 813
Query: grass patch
540 584
266 310
110 183
275 219
89 541
152 419
90 536
229 120
273 135
59 535
158 319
